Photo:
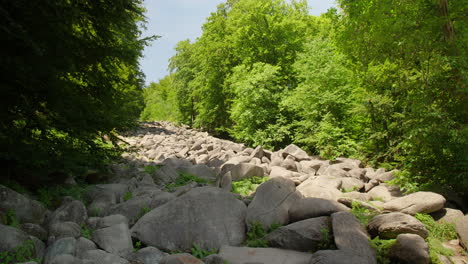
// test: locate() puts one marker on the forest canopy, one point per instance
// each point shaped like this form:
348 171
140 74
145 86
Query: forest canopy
70 75
382 81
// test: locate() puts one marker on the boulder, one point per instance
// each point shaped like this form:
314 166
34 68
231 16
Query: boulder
352 163
388 226
289 163
419 202
336 170
310 166
64 229
461 226
409 249
245 170
98 256
349 183
62 246
447 215
111 220
134 208
276 159
214 259
385 192
350 235
277 171
296 152
116 190
342 256
25 209
322 181
147 255
181 258
246 255
358 173
305 235
364 197
115 239
272 202
207 216
69 211
82 245
200 170
34 230
11 238
314 207
386 176
101 202
65 259
257 153
165 175
316 191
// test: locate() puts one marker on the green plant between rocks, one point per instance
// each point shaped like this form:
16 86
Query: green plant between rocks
86 232
51 196
256 234
382 247
200 253
247 186
438 233
185 178
364 215
11 219
150 169
23 253
127 196
327 239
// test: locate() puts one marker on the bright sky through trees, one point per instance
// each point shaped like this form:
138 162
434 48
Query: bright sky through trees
178 20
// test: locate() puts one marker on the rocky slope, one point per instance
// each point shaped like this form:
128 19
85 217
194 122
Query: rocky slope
148 204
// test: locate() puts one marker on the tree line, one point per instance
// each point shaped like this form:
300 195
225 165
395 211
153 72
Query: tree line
382 81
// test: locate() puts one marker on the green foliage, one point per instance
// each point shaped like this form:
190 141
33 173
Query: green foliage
51 196
256 234
57 101
200 253
247 186
327 241
150 169
127 196
23 253
142 212
382 247
160 101
86 231
11 219
184 179
137 246
364 215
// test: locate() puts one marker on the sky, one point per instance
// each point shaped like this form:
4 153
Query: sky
176 20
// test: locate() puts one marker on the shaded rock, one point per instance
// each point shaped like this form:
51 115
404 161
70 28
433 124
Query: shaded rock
207 216
181 258
116 190
98 256
371 184
289 164
310 166
11 238
409 249
341 256
214 259
72 211
246 255
272 202
147 255
64 229
314 207
34 230
386 176
111 220
390 225
134 208
39 247
65 259
257 153
305 235
447 215
60 247
101 202
115 239
350 235
245 170
25 209
461 226
419 202
165 175
296 152
82 245
358 173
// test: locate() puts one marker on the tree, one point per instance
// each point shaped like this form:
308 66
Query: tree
69 74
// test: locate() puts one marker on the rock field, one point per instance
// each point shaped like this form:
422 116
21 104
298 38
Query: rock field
307 197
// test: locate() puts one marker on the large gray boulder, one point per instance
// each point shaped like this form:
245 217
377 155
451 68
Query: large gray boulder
388 226
317 191
272 202
200 170
25 209
342 256
60 247
64 229
245 170
385 192
409 249
98 256
116 190
34 230
246 255
349 234
115 239
419 202
11 238
66 259
461 226
165 175
82 245
69 211
296 152
314 207
305 235
147 255
134 208
207 216
277 171
447 215
180 258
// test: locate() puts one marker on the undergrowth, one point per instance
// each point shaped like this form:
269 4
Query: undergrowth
382 247
364 215
247 186
150 169
23 253
9 218
200 253
51 196
184 179
256 234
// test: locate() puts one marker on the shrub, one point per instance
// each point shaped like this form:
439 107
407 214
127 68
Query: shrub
23 253
382 246
247 186
256 234
200 253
